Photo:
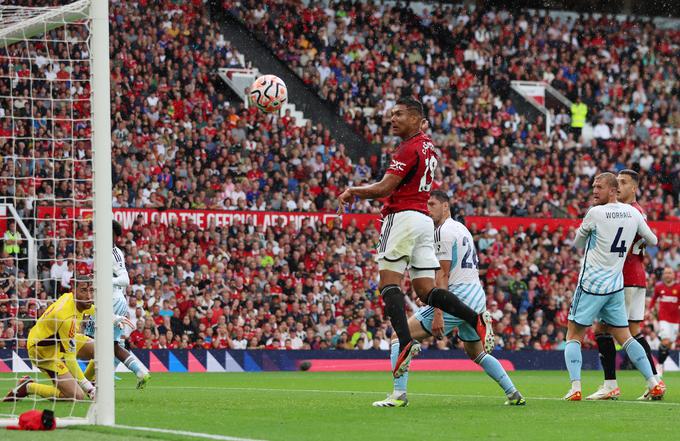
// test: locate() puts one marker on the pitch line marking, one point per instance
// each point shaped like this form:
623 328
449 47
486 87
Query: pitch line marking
185 433
363 392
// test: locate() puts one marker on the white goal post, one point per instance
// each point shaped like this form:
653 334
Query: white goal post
21 29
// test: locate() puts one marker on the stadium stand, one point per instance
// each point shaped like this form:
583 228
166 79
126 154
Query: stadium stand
352 56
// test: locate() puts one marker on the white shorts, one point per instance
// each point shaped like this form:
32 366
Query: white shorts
668 330
635 303
407 241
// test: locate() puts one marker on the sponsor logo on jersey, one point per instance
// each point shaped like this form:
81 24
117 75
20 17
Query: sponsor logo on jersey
397 165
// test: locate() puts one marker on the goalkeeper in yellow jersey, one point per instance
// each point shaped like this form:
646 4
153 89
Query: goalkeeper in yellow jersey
54 345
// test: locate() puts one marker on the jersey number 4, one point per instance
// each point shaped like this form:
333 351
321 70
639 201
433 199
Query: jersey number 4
428 175
619 247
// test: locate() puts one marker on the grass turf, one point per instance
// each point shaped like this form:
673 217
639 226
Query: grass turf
286 406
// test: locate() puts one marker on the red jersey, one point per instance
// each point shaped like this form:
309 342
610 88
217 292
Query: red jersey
669 301
634 268
415 161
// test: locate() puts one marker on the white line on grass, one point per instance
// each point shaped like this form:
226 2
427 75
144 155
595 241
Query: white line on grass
363 392
185 433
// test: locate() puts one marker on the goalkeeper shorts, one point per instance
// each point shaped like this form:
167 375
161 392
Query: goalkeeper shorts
50 358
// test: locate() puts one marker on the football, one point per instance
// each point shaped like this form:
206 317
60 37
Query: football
268 93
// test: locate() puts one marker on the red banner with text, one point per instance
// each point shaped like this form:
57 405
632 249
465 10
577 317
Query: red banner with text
205 218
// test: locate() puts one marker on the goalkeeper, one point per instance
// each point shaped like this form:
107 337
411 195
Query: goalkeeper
54 346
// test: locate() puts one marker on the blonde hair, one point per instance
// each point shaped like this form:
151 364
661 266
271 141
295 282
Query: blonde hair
608 178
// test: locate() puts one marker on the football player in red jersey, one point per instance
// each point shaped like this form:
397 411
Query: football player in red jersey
635 291
407 233
667 294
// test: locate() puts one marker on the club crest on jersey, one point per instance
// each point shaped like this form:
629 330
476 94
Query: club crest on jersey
397 165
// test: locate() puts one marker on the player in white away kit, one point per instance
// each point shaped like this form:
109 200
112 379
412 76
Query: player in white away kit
455 250
606 233
121 280
635 292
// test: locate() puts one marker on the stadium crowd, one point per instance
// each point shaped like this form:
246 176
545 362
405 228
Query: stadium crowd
179 143
281 288
360 58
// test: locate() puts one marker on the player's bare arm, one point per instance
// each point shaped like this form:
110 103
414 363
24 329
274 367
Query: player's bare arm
376 190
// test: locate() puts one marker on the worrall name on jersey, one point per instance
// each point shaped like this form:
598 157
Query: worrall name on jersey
618 215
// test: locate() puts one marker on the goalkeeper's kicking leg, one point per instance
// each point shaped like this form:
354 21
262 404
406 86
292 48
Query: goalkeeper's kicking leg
65 387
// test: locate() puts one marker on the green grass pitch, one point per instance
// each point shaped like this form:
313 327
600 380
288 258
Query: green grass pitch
288 406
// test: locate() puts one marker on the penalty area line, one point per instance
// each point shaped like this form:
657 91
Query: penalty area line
363 392
185 433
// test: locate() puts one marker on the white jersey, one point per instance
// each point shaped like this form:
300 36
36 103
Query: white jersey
121 279
454 242
607 233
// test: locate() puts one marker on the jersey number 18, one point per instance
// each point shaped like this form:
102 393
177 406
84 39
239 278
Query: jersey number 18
428 175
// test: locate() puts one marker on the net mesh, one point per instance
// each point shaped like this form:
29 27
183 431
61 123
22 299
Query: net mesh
46 234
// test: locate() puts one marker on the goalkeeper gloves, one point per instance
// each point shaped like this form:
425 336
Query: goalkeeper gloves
87 387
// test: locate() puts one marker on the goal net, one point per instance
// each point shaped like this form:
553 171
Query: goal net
55 207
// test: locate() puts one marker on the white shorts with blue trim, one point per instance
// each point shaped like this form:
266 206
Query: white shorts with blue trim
608 308
120 307
473 296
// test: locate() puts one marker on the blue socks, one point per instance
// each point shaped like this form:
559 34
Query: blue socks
493 369
401 382
638 356
574 359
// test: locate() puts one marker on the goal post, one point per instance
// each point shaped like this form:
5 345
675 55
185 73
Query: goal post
104 405
55 156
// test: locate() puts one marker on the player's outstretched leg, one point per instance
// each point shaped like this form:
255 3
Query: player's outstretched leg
640 338
398 396
574 360
132 362
451 304
494 369
26 386
607 348
20 390
395 310
637 355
